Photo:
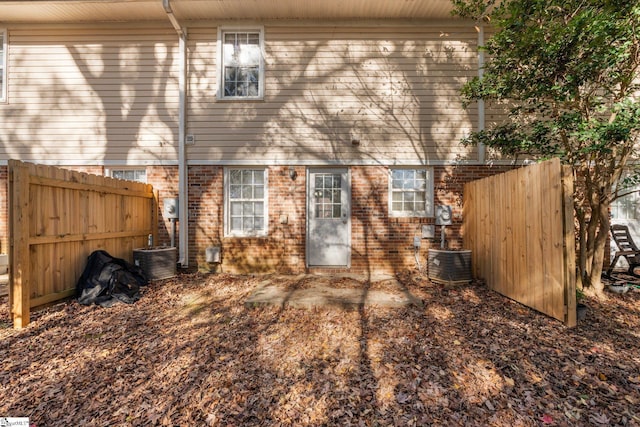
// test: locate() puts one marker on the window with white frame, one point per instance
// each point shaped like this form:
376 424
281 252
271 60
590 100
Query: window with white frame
130 174
241 64
627 207
411 192
246 202
3 65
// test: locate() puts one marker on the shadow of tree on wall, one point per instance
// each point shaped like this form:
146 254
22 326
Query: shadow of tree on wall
392 97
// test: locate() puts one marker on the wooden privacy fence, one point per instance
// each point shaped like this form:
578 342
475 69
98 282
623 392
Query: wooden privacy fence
519 226
57 217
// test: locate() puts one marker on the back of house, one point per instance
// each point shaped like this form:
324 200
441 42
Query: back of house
295 136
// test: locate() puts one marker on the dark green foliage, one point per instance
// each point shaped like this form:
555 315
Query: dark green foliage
567 73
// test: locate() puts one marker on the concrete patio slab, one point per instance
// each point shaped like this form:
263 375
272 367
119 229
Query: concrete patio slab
348 292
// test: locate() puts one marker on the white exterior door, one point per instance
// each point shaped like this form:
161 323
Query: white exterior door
328 218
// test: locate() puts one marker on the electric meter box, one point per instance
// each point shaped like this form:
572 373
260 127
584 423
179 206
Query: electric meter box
443 215
170 210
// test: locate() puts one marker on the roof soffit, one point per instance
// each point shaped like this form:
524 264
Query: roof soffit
78 11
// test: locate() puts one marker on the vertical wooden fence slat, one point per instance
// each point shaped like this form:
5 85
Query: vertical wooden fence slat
19 270
57 218
569 247
522 243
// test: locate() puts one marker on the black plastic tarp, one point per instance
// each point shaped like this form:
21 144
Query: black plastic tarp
107 280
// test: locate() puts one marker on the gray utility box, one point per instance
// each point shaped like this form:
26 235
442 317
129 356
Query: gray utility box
156 262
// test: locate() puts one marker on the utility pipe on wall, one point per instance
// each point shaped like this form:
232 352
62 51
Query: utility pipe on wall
183 213
481 118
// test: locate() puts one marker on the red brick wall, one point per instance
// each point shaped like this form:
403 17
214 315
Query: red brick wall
282 250
379 242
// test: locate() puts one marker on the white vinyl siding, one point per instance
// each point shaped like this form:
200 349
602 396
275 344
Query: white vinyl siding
246 202
108 94
411 192
240 64
3 65
396 89
92 95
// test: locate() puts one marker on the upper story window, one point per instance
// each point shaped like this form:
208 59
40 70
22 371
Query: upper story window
3 65
130 174
411 192
240 64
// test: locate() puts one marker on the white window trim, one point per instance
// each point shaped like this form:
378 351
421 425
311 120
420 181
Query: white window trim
3 87
227 221
109 171
220 63
429 196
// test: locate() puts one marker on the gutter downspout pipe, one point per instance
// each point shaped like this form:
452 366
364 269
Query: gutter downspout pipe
482 150
183 212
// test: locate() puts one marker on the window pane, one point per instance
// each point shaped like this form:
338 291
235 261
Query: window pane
247 209
247 214
236 223
259 223
253 38
409 191
236 208
139 175
247 177
258 192
235 177
235 191
230 38
241 60
247 223
247 192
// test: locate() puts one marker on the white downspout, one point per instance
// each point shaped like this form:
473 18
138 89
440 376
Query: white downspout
183 213
482 150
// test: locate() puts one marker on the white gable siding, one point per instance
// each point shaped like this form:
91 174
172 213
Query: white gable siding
395 89
90 95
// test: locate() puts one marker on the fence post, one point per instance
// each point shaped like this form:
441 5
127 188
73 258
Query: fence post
569 247
19 280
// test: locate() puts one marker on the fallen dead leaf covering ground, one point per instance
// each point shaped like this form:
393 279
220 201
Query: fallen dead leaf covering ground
190 354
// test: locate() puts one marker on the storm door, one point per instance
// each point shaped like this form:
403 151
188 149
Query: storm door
328 218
